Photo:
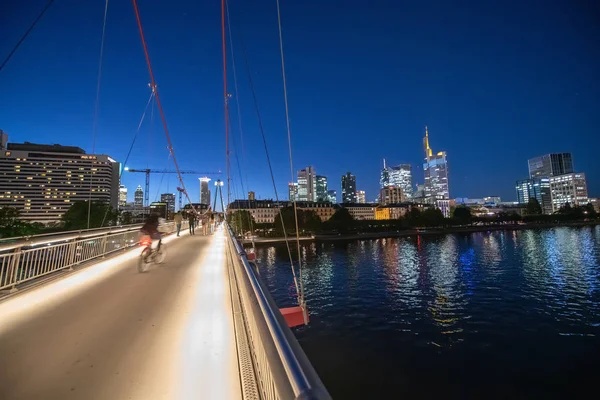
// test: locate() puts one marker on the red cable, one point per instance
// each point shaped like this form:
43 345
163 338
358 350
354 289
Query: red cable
158 103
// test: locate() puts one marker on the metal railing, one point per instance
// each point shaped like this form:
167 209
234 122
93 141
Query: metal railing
25 259
282 370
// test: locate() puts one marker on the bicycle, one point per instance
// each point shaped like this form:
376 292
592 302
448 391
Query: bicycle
150 254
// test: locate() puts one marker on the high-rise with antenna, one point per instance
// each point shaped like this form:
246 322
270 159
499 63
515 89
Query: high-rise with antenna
435 169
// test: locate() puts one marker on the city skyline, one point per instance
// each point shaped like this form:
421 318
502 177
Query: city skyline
450 96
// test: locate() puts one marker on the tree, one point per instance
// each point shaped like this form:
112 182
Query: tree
11 226
462 215
101 214
241 221
432 217
308 220
126 218
341 220
8 216
533 207
590 211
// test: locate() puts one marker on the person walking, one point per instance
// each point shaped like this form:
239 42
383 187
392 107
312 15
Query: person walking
191 220
178 220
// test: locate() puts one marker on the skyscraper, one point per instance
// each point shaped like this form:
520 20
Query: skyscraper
401 176
307 184
361 197
321 188
204 191
292 191
348 188
332 195
568 188
139 197
384 179
549 165
122 195
435 169
169 199
537 188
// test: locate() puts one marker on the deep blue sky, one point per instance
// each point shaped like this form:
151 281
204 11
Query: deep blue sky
497 82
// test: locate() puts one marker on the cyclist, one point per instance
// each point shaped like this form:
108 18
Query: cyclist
150 228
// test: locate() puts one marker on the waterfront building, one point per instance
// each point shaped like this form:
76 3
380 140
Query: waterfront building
391 211
307 184
348 188
568 188
435 170
122 196
204 190
43 181
391 195
323 209
361 197
292 191
263 211
538 188
169 200
321 188
361 211
549 165
138 197
332 195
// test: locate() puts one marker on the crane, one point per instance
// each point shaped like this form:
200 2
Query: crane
149 171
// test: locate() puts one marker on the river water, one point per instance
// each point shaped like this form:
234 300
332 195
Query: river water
512 314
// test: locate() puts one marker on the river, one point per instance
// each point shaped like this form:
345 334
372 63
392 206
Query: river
510 314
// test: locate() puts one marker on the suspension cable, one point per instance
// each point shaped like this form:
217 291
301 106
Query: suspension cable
225 96
27 32
96 110
289 135
264 140
158 102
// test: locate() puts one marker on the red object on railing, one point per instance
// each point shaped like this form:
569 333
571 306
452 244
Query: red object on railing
294 316
251 256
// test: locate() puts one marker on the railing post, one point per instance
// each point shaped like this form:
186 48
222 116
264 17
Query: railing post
14 266
72 251
104 241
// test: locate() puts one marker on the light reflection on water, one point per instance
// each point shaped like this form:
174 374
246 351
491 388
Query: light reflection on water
395 314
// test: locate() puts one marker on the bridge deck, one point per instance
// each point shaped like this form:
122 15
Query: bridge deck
108 332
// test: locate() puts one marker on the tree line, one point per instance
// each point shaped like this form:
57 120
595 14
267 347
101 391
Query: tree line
342 222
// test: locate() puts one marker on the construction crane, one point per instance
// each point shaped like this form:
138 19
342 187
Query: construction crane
149 171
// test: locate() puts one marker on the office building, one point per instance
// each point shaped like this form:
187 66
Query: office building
307 184
401 176
332 196
391 195
384 178
42 181
361 197
321 188
348 188
435 169
550 165
251 195
292 191
204 191
169 200
568 188
138 197
537 188
122 196
361 211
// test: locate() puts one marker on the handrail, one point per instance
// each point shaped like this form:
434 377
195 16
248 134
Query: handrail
303 380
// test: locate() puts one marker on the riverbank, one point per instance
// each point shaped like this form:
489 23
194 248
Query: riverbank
421 232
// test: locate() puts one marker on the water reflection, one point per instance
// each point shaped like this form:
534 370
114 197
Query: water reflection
426 300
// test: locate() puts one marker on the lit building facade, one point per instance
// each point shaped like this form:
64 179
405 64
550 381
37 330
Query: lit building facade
550 165
361 196
42 181
435 169
204 191
537 188
321 188
391 195
401 176
384 178
292 191
348 188
568 188
263 211
169 200
361 211
332 195
122 196
307 184
138 197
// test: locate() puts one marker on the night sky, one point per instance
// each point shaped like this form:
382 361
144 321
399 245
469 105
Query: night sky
496 83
